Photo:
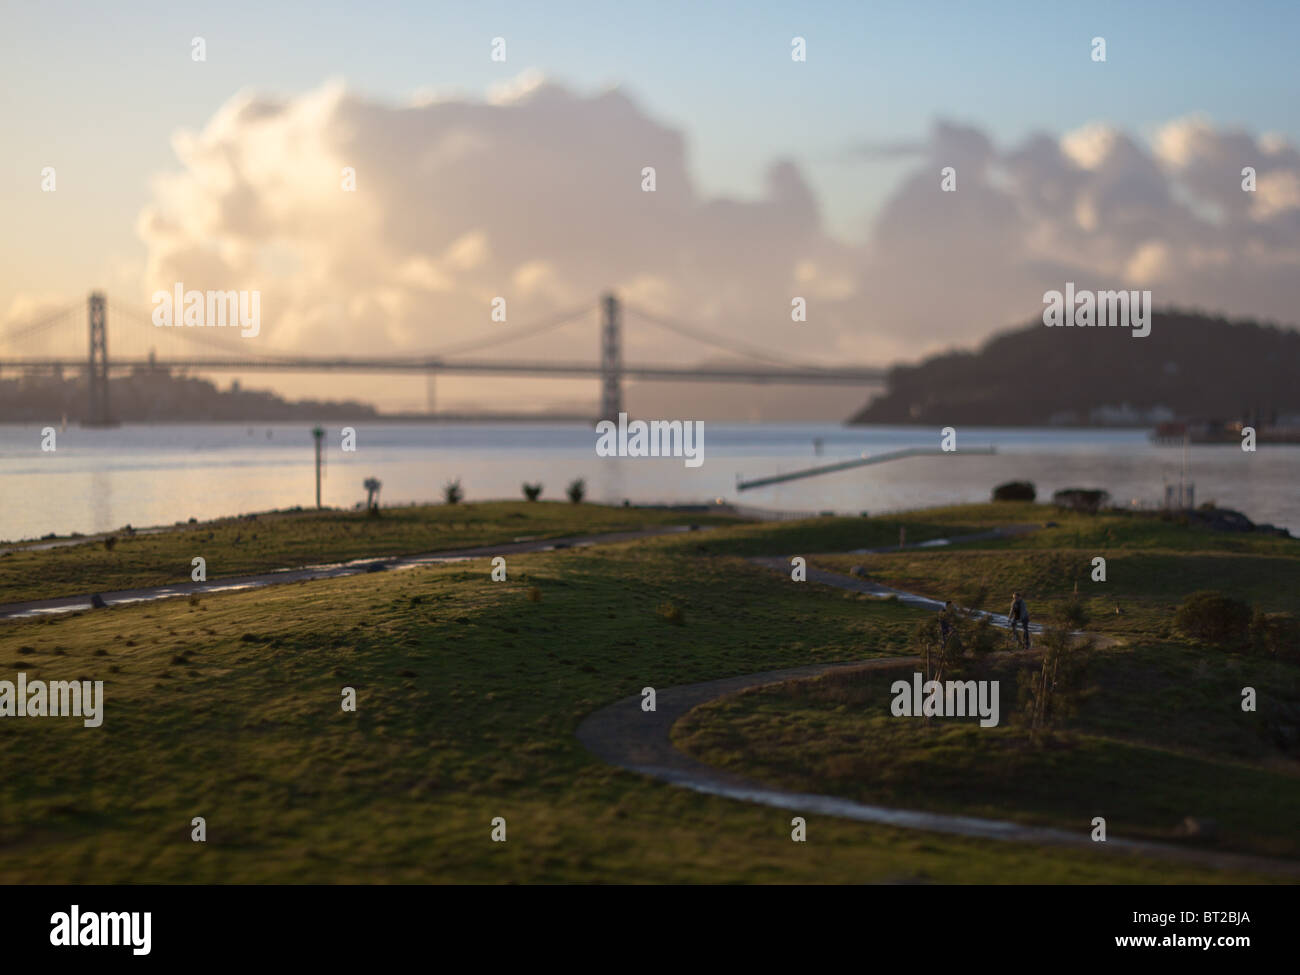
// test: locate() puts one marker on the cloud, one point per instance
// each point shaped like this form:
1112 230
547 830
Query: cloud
1095 206
535 195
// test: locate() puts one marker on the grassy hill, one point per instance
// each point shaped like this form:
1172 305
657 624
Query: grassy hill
1195 365
1158 735
470 693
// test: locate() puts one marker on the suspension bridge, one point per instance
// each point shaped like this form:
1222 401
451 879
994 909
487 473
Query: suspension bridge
26 351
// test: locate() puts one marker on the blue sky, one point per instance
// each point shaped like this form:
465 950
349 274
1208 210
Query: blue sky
109 83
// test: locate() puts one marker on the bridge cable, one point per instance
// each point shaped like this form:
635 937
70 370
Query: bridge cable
21 331
736 349
528 331
525 332
132 311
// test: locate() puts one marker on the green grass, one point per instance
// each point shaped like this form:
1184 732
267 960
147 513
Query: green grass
1069 529
1143 585
1158 740
260 543
469 698
1161 734
824 534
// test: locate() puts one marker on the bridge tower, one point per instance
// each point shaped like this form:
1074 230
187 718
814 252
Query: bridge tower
97 373
611 360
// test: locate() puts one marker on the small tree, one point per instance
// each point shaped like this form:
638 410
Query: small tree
372 486
1052 691
952 637
577 490
451 492
940 654
532 491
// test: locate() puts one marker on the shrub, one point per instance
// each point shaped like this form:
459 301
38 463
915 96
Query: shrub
1214 618
577 490
671 614
532 491
1081 499
1073 614
974 595
1015 491
979 636
451 492
1276 635
969 635
110 542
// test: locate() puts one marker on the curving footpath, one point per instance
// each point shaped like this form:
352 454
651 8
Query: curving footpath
625 736
640 741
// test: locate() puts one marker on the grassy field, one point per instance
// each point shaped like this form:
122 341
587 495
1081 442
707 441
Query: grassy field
469 694
1159 734
273 540
1159 740
260 543
1150 566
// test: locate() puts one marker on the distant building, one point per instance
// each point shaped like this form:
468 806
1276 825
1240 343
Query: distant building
1125 415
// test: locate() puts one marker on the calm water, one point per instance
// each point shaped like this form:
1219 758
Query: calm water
141 475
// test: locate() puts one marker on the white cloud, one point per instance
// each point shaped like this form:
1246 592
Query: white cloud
1149 264
535 195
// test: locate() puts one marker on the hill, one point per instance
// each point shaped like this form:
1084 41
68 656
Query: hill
1191 365
155 396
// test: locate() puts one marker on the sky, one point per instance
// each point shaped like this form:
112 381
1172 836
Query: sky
479 178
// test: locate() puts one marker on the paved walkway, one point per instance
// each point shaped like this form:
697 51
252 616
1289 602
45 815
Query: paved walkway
639 741
781 563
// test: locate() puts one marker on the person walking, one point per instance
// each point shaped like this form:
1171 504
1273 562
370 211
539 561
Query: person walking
1019 617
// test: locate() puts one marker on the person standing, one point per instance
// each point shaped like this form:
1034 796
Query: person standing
1019 617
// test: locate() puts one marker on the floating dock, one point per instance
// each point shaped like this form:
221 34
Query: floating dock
864 461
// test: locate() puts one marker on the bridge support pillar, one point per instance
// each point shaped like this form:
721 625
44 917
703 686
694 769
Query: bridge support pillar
97 373
611 360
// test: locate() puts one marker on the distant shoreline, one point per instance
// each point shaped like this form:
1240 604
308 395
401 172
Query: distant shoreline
583 418
379 418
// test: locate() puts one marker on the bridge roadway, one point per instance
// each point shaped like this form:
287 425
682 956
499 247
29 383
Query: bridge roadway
739 374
